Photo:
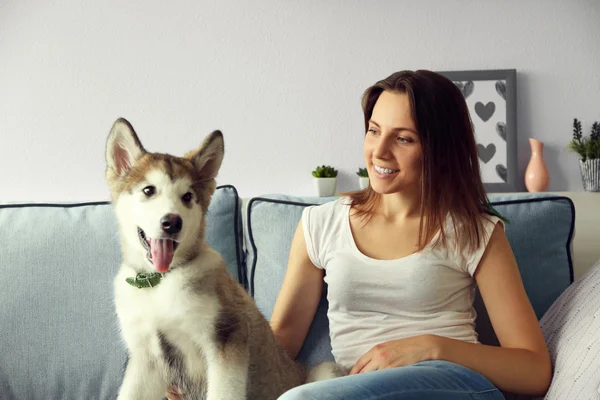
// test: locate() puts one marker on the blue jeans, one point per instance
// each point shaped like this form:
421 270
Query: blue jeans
440 380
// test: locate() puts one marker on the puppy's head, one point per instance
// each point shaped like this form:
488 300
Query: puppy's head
160 200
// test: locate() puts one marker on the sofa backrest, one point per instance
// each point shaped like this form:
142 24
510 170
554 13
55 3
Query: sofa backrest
540 231
59 336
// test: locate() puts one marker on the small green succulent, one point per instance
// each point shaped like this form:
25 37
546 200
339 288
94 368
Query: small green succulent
362 172
325 171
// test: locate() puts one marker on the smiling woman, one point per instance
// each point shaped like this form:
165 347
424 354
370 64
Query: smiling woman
392 149
402 258
418 128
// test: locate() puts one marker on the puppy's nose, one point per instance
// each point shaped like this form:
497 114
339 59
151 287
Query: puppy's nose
171 223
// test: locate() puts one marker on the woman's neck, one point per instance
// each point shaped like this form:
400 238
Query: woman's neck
398 207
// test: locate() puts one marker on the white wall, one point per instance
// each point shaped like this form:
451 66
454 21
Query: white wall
282 79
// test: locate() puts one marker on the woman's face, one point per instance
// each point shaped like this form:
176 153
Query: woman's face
392 149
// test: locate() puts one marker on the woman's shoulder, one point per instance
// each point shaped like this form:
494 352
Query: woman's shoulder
487 219
468 235
333 206
326 213
490 220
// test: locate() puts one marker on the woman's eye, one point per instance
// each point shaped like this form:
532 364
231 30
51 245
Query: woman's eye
149 190
187 197
403 139
372 131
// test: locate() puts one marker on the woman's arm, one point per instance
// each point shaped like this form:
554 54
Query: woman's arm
522 363
298 297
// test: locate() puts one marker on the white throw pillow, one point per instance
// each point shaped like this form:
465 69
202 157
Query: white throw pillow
571 327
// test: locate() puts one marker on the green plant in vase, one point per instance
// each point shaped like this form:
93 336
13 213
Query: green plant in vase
363 178
325 178
588 150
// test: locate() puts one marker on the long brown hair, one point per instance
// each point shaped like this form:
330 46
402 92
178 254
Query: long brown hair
451 183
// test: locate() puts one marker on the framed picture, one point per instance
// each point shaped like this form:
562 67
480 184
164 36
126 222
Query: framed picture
492 100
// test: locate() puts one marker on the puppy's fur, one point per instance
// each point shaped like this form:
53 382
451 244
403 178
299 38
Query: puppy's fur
197 328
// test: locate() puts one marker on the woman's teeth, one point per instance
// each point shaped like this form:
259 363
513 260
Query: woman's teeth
383 171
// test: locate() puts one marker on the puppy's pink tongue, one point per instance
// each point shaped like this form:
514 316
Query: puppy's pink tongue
162 253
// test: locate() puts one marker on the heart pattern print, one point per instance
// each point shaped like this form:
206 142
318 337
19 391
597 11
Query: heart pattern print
486 101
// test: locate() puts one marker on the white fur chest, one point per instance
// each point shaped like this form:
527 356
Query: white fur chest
171 308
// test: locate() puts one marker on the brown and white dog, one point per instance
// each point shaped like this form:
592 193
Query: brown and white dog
184 319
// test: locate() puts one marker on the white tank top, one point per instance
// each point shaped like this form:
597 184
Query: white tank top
374 301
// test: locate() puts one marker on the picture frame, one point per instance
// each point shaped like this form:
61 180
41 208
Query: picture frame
491 97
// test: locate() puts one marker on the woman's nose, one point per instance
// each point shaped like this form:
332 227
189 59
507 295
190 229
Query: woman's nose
382 148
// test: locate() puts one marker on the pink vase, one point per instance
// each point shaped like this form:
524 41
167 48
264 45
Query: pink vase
537 177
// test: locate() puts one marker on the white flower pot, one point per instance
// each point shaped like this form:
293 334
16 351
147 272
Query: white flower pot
363 182
325 186
590 174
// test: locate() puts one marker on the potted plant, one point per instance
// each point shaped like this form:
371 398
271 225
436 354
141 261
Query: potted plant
588 150
363 178
325 178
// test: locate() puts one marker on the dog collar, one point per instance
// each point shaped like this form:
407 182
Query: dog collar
142 280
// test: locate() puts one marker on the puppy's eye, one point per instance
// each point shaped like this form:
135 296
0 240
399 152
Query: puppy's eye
149 190
186 198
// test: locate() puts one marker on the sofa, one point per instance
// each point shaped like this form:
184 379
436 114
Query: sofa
59 336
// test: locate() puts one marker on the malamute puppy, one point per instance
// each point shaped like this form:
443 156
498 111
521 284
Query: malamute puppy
184 319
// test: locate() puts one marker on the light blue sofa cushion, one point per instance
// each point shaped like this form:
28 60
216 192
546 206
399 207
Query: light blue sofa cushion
58 332
224 231
59 336
540 232
270 225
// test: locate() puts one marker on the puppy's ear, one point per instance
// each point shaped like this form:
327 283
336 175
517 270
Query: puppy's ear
209 156
123 148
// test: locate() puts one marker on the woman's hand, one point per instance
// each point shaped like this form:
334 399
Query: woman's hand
397 353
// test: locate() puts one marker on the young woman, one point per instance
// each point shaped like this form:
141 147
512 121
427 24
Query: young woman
402 258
